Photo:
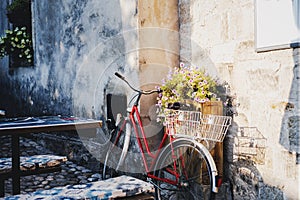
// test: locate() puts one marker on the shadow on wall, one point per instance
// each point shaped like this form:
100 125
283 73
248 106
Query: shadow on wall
244 150
290 127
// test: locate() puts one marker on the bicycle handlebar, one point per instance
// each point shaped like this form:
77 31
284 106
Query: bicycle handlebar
119 76
134 89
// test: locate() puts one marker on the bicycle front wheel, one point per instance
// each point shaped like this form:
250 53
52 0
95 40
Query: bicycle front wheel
183 172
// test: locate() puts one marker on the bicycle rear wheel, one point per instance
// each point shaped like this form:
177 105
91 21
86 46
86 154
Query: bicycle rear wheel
188 167
111 159
114 151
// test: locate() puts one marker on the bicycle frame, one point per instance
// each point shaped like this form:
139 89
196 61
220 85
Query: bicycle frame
134 116
135 113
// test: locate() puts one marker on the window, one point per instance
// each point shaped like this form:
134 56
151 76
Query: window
277 24
17 43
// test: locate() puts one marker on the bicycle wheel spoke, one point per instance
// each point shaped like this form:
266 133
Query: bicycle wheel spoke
186 165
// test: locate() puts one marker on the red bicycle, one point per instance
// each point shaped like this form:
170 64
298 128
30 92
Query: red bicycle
181 167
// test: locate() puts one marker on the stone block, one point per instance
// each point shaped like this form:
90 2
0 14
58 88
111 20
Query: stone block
223 53
123 186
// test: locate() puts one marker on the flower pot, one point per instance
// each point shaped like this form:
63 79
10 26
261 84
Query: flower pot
212 107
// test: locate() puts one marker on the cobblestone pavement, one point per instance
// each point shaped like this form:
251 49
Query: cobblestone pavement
71 173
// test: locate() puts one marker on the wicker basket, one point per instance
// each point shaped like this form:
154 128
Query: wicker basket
197 125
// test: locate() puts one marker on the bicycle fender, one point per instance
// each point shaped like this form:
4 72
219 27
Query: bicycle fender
126 145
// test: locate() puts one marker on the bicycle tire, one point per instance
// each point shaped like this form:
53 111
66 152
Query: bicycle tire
108 172
191 161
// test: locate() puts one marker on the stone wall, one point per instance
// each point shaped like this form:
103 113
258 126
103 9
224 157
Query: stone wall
265 84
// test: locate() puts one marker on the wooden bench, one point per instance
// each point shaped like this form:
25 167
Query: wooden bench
30 165
114 188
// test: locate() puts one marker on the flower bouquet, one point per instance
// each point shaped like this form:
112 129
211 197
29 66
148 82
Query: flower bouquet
186 87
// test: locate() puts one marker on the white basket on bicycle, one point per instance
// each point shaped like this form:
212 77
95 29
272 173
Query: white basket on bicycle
182 122
214 127
195 124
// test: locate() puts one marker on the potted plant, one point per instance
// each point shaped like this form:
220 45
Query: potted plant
194 89
190 86
17 43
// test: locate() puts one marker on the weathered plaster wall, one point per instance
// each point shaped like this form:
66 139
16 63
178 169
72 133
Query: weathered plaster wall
78 46
264 83
158 47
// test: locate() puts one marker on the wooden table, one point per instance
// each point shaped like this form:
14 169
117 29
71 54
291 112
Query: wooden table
17 127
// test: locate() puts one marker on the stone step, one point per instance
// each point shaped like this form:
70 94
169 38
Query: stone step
114 188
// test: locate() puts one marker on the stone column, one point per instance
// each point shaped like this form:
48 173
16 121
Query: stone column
158 49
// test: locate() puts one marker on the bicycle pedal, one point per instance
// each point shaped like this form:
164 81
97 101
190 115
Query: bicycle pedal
150 180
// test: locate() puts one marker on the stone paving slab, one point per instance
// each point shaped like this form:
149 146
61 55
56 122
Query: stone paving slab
122 186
